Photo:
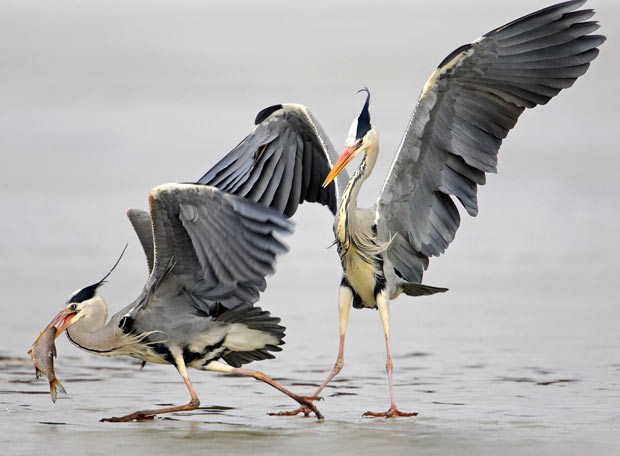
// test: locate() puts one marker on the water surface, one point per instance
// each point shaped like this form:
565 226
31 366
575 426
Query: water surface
101 102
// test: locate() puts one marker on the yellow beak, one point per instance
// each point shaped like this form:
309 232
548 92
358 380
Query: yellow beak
343 161
61 321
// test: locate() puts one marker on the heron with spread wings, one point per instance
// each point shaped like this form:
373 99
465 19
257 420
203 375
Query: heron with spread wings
208 253
467 107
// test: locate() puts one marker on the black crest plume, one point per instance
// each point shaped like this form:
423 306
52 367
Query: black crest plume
363 121
89 291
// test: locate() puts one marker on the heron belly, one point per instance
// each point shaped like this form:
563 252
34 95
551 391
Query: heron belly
362 277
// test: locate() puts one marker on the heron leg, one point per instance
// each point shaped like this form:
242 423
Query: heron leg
306 403
384 311
142 415
345 298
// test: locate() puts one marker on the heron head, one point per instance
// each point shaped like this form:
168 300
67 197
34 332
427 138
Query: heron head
361 136
83 303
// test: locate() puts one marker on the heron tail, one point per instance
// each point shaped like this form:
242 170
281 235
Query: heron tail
253 333
418 289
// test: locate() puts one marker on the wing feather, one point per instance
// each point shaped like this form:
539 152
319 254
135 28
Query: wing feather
466 109
282 163
141 222
218 246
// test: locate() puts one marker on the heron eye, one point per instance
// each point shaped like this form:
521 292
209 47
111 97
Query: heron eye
73 307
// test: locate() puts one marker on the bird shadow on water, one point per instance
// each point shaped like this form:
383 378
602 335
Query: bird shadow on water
534 381
539 376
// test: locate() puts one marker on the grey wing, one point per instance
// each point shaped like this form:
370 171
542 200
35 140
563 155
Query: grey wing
465 110
141 222
215 246
282 163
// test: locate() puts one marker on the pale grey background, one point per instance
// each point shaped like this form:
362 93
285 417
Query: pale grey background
100 101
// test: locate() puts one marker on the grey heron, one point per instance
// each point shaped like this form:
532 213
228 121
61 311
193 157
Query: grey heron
466 108
208 253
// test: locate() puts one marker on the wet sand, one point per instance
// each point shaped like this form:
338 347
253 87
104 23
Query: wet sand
101 103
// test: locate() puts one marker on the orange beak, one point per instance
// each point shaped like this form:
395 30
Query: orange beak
343 161
61 321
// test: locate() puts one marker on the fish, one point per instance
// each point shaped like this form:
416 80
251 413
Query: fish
42 353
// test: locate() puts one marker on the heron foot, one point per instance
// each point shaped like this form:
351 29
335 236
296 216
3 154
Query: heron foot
392 412
136 416
307 407
303 409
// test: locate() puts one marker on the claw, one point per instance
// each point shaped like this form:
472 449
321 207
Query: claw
305 410
307 407
392 412
136 416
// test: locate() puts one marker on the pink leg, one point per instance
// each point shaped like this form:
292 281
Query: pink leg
304 402
384 311
345 297
216 366
142 415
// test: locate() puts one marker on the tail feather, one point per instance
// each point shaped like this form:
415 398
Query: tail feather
418 289
264 337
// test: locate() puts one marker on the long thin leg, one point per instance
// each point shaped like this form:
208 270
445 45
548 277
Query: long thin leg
384 311
345 298
216 366
150 414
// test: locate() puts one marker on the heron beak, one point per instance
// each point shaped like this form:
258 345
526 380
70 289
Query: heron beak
343 161
62 321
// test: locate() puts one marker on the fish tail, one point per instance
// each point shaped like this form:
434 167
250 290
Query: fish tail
55 386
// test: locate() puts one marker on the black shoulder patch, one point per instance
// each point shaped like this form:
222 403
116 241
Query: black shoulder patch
261 116
454 53
126 324
85 293
216 309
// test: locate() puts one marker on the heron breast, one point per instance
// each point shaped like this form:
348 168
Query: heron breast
361 275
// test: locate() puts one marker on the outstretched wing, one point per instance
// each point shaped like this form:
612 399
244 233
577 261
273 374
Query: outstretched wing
213 245
465 110
282 163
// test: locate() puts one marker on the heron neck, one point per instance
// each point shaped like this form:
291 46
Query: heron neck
361 174
347 221
93 334
349 198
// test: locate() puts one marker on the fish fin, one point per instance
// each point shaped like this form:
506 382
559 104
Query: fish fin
37 372
55 386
